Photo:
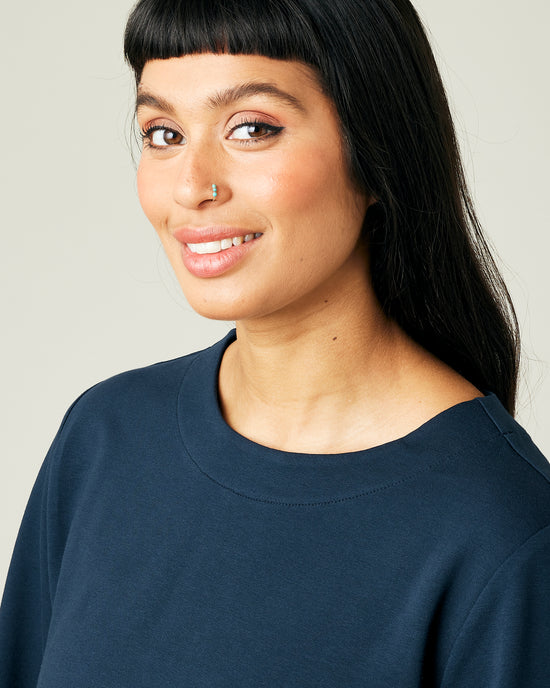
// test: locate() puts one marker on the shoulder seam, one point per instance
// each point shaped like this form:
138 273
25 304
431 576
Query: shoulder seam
508 435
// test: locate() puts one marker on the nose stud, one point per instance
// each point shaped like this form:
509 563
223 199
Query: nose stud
214 192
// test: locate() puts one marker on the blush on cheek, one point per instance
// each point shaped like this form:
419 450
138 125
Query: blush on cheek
297 186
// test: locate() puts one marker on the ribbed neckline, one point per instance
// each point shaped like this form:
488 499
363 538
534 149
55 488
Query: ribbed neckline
269 475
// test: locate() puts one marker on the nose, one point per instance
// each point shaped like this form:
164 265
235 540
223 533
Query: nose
198 181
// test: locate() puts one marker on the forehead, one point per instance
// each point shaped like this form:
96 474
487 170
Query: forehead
201 79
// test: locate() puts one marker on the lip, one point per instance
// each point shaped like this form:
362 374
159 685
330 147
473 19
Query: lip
212 264
199 235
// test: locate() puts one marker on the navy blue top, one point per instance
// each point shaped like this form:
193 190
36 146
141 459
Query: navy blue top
161 548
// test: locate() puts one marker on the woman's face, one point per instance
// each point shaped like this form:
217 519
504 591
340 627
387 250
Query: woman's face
283 230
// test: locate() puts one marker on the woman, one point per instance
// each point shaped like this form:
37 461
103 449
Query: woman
336 494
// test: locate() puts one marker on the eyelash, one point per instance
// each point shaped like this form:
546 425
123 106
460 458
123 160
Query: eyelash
147 134
271 129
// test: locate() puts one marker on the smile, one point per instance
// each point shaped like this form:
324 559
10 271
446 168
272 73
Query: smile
221 245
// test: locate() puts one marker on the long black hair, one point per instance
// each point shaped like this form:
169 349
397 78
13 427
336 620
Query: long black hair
430 265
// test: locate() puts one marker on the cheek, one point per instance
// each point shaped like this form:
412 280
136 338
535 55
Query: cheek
310 184
151 194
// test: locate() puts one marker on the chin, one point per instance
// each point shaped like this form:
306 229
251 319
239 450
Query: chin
216 313
217 309
238 308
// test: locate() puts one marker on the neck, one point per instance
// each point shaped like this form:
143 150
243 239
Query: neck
293 380
332 374
321 353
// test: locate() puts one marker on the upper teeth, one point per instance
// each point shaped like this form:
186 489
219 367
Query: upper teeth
217 246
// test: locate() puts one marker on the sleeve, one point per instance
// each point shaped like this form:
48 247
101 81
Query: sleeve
505 640
26 607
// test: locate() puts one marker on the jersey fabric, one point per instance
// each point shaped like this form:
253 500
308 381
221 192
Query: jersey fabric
161 548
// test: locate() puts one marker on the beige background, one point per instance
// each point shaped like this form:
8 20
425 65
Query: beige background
86 291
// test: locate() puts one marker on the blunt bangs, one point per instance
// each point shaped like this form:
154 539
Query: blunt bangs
280 29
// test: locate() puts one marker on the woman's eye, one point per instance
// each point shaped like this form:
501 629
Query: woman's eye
161 137
254 130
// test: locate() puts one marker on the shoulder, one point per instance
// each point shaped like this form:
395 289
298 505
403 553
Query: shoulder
142 391
485 486
145 385
117 418
121 434
515 440
486 444
492 482
482 513
105 426
503 452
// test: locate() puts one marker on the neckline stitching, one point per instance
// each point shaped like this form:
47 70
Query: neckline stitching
275 502
319 503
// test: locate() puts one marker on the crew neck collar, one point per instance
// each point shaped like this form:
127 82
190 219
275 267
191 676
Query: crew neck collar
256 472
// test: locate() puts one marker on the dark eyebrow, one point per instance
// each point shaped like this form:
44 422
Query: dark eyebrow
252 88
145 99
223 98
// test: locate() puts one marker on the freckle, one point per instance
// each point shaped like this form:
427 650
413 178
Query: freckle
326 300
